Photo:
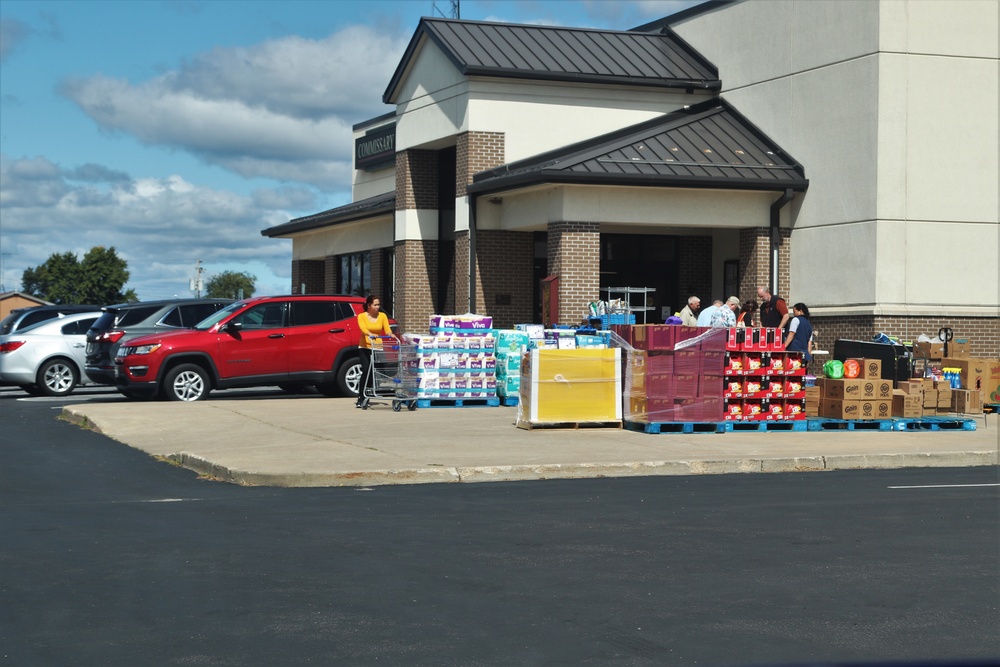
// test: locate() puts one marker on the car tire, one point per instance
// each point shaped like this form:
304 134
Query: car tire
186 382
57 377
349 377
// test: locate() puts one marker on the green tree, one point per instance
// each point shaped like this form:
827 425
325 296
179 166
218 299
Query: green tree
227 285
64 279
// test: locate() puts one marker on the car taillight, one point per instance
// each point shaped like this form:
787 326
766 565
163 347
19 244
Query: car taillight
10 346
110 336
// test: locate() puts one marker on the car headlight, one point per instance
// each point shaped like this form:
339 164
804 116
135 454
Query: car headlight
145 349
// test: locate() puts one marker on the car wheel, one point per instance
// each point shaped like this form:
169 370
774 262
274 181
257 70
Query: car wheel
187 382
349 377
57 377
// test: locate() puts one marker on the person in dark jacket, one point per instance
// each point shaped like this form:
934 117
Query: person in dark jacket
773 311
800 332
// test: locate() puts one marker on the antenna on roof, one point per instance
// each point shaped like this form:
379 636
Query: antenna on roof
454 11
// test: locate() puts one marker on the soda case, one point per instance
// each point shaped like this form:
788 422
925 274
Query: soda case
762 385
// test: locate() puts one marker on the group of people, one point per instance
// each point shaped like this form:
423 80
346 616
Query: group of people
773 313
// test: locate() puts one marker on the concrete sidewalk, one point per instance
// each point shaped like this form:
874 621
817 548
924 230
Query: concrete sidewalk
313 441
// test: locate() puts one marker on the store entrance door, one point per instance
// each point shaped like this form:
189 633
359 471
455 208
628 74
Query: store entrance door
633 260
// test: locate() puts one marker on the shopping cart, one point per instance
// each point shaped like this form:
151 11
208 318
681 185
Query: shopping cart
393 379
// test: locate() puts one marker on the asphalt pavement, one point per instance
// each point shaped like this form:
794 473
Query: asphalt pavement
311 441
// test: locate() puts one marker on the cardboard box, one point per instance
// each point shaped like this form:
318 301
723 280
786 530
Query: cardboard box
928 350
880 390
990 390
907 405
965 401
876 409
915 387
977 374
871 369
839 409
930 398
843 389
959 348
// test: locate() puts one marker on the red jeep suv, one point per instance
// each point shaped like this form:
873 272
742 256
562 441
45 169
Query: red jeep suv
289 341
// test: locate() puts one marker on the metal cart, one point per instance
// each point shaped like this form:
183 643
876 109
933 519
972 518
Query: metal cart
393 380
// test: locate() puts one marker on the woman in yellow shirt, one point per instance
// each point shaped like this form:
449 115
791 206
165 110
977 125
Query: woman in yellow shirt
372 323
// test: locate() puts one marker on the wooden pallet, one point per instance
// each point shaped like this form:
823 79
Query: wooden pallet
675 427
531 426
458 402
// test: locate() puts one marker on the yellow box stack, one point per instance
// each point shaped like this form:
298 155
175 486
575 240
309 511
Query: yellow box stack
570 386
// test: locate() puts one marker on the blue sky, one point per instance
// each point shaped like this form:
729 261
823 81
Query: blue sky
176 130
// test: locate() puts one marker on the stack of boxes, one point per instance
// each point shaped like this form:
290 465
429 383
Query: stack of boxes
763 381
922 397
978 377
675 374
570 386
866 397
457 360
510 347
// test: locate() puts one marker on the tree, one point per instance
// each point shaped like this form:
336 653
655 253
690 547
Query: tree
227 285
63 279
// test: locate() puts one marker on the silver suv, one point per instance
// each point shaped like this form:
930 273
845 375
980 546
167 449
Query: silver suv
21 318
125 321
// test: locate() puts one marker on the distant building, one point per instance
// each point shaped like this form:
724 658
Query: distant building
843 151
13 300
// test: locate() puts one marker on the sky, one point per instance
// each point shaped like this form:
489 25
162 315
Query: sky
176 130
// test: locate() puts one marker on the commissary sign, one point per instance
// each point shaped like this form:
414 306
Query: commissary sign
376 148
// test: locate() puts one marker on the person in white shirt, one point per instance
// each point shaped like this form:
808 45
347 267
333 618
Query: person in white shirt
705 316
689 313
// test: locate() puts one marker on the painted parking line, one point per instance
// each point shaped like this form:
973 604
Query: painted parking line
942 486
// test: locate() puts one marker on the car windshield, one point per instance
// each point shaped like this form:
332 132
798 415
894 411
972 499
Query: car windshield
218 316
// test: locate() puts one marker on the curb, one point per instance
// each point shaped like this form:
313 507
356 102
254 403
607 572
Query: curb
518 473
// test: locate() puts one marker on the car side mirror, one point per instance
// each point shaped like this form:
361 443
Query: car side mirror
232 327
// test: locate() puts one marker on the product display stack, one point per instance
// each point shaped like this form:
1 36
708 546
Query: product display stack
674 374
570 386
860 394
763 381
510 347
457 360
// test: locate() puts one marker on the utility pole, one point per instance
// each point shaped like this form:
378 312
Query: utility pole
3 285
454 11
197 284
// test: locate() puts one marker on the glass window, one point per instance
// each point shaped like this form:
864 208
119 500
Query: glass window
172 318
263 316
356 273
192 313
133 316
79 327
318 312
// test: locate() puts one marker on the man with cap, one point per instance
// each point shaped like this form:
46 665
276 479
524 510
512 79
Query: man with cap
726 315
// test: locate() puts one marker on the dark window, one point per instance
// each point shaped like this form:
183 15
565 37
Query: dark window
78 328
264 316
356 273
193 313
132 316
319 312
35 318
172 318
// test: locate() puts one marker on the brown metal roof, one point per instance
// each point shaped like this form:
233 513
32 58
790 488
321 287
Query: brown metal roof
708 145
371 207
555 53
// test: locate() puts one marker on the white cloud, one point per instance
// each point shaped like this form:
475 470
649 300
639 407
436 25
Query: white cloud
160 226
281 110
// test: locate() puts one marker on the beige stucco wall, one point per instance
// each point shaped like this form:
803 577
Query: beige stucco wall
342 239
891 106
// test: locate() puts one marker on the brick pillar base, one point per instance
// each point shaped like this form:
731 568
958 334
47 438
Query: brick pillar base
311 272
504 276
755 262
983 332
575 256
416 277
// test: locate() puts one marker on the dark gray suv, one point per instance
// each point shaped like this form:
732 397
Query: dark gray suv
21 318
125 321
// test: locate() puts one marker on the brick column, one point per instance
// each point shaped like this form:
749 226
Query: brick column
474 152
575 256
506 262
755 262
308 271
416 277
